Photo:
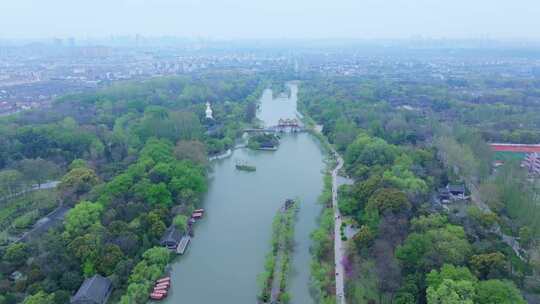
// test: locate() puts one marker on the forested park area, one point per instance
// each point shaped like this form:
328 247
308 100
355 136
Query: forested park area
130 160
402 142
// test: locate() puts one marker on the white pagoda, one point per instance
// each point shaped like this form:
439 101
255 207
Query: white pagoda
208 111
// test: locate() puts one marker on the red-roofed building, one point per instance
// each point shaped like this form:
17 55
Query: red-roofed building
531 158
515 148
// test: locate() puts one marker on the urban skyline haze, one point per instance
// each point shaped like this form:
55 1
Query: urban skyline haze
234 19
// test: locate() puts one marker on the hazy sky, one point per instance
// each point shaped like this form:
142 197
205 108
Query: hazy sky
271 18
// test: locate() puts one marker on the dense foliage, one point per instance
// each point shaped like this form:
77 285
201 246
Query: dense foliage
401 141
130 160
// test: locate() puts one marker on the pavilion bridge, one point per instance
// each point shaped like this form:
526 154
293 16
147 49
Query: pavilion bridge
290 125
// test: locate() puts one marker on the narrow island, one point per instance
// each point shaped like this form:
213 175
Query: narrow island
273 280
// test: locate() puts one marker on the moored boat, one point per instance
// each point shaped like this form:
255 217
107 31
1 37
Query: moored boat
165 279
244 166
165 284
160 290
157 296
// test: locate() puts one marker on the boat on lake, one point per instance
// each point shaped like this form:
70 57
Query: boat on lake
243 166
161 289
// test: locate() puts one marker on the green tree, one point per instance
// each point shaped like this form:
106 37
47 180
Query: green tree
364 237
370 151
17 254
158 194
86 247
78 163
120 185
77 182
135 293
498 292
426 223
161 173
344 133
153 225
434 247
111 256
157 255
38 170
180 222
11 181
39 298
489 265
188 182
157 150
401 177
388 199
449 272
451 292
81 217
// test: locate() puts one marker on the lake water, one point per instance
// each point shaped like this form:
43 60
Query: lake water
230 243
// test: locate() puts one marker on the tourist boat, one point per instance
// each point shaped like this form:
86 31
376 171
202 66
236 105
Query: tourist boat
161 288
160 291
199 211
165 279
246 168
167 284
157 296
197 215
243 166
268 148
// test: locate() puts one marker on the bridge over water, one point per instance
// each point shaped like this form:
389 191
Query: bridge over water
284 125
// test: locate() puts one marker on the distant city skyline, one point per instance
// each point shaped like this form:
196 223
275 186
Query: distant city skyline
244 19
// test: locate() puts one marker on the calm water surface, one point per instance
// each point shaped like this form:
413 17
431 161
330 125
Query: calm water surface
230 243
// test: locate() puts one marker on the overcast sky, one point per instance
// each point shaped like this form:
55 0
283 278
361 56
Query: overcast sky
271 18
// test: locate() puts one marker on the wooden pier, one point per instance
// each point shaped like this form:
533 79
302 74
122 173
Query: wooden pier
183 245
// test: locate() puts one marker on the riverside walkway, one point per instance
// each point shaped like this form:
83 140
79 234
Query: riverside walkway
339 249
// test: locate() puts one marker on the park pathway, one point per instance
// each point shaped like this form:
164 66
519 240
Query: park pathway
339 249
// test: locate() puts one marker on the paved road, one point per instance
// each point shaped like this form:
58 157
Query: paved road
339 249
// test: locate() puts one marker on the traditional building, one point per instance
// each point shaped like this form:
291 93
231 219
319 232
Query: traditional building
94 290
452 193
171 238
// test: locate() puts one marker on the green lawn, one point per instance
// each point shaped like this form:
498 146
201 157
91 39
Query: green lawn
24 208
506 156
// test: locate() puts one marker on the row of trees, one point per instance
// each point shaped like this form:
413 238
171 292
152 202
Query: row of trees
25 174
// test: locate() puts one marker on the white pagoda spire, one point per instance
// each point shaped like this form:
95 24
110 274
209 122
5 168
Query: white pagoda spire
208 111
